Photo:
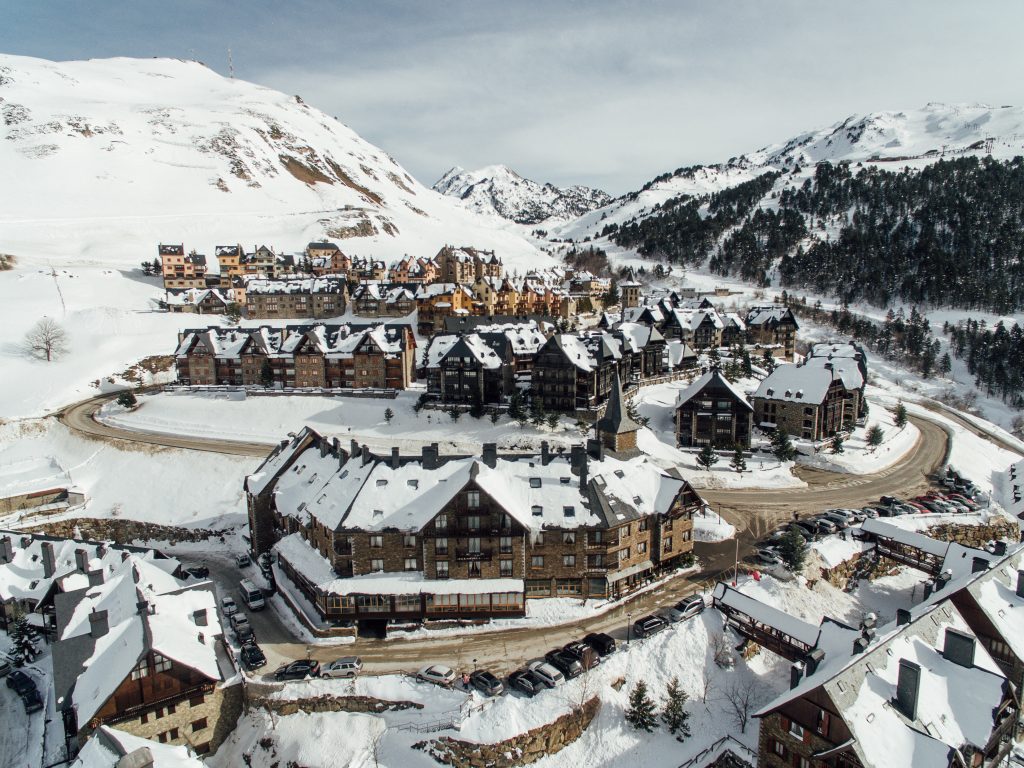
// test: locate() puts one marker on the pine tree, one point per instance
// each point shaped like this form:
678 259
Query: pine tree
495 415
640 713
266 373
767 361
945 365
837 444
515 406
675 715
552 421
421 402
738 462
707 458
782 446
792 550
388 415
23 646
901 415
477 410
127 399
454 413
875 436
748 368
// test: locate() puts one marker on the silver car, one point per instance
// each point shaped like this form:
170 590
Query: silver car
551 676
686 608
346 666
437 674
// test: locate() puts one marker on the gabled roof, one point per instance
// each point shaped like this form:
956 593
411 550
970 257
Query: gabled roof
108 745
796 384
712 378
616 419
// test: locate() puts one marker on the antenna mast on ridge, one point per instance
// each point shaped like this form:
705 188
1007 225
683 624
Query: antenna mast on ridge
231 65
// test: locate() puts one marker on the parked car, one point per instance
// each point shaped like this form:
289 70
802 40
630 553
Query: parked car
686 608
346 666
916 506
889 500
870 512
649 625
298 670
527 681
243 560
973 506
198 571
437 674
583 653
486 683
228 607
32 700
548 674
848 515
241 626
838 521
825 526
931 505
564 662
252 656
20 682
768 556
600 642
5 666
807 528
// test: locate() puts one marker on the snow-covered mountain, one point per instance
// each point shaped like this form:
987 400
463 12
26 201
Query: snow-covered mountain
108 157
893 140
497 189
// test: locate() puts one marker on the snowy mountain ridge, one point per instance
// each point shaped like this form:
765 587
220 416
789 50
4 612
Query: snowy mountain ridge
112 156
497 189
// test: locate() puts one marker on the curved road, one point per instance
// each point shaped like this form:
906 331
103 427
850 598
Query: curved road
754 512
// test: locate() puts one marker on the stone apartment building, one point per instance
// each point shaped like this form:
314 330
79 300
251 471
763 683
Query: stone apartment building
199 301
373 539
181 270
229 257
383 300
771 326
311 297
711 411
808 401
465 265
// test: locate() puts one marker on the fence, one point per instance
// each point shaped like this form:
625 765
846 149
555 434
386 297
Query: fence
257 390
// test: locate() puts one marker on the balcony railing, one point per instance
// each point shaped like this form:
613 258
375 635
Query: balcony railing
465 555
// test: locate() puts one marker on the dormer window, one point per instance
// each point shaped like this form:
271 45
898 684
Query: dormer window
619 473
537 510
381 483
569 511
535 482
413 483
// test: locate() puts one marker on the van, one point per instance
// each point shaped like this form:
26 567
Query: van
252 596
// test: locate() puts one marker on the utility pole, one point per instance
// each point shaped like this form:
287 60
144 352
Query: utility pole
231 65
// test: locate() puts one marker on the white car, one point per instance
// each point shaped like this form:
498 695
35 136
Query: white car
546 672
228 607
438 675
346 666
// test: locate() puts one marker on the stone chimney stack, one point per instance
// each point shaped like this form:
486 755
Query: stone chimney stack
98 624
395 459
81 560
199 617
49 559
95 577
490 454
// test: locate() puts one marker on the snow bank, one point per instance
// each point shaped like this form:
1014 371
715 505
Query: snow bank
858 457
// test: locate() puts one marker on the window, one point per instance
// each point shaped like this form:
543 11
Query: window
779 748
505 545
568 587
595 537
473 499
641 547
823 722
538 588
160 664
409 541
441 546
569 537
198 725
506 567
535 482
441 522
442 569
796 730
195 701
569 511
407 602
410 564
473 569
474 545
537 561
376 542
141 670
473 522
376 565
668 544
537 510
569 561
506 520
624 554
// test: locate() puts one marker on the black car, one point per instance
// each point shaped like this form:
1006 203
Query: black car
20 682
600 642
486 683
252 656
649 625
564 662
298 670
527 682
32 700
584 654
198 571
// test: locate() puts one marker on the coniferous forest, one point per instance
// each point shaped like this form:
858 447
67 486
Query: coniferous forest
950 234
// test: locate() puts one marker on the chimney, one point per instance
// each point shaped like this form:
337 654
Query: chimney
125 556
814 660
6 550
796 674
336 446
595 449
139 758
999 548
26 542
284 443
81 560
979 564
395 462
49 561
908 685
98 624
95 577
860 645
364 451
429 456
101 550
545 453
323 448
143 607
199 617
1020 583
577 457
490 454
870 621
959 648
902 617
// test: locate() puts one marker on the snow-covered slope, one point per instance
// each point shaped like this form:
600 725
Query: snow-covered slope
497 189
104 158
892 139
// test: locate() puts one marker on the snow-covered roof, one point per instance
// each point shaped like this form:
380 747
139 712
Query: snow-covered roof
845 368
336 340
715 376
829 349
791 626
679 352
957 559
195 296
108 745
768 315
309 285
796 384
43 473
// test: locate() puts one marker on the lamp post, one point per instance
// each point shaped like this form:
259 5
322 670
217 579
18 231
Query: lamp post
629 624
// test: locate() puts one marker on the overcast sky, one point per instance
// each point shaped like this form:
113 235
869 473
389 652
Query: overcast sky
602 93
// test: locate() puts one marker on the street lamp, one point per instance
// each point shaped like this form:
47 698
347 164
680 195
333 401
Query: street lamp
629 615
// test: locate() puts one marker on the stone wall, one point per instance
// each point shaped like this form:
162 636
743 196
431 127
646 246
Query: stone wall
261 695
977 536
523 749
121 531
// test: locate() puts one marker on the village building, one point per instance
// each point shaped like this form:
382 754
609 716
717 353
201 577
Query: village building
310 297
373 539
112 748
35 568
712 411
774 327
437 301
229 259
629 290
466 264
39 483
616 430
575 373
383 300
199 301
181 270
416 270
808 401
142 650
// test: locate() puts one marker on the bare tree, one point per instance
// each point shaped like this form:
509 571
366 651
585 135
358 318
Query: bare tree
740 698
707 685
46 340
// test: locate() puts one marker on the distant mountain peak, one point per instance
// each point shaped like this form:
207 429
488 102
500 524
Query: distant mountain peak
499 190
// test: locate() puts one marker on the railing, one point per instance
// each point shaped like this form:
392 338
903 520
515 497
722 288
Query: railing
715 750
465 555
